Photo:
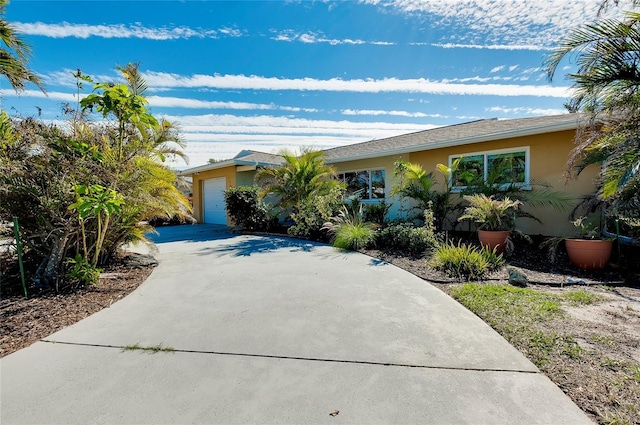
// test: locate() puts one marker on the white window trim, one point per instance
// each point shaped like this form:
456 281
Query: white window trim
370 200
527 164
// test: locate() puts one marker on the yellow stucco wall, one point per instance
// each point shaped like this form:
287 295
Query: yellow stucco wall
245 178
228 172
548 157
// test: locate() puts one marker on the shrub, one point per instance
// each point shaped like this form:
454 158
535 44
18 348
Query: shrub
464 261
376 213
246 210
348 230
404 237
407 238
314 212
82 271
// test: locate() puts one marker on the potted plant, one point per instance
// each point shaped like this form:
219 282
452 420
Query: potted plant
495 219
588 251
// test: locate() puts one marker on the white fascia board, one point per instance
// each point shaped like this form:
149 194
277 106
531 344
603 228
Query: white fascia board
460 142
256 163
207 167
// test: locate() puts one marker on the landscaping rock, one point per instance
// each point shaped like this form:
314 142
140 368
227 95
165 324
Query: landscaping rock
517 277
139 260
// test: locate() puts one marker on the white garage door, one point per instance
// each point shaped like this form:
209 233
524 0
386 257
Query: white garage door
213 200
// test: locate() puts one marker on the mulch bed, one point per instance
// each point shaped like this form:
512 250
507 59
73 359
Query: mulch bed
25 321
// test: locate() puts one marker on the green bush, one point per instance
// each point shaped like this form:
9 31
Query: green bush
314 212
376 213
246 210
408 238
464 261
82 271
405 238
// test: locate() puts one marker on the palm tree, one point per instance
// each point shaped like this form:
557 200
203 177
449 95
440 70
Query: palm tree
14 55
607 90
298 179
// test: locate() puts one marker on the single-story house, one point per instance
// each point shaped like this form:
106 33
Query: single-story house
539 147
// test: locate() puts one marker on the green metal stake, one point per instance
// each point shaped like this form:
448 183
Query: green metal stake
16 230
618 240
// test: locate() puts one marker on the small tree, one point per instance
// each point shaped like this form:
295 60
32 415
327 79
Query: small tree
302 186
87 190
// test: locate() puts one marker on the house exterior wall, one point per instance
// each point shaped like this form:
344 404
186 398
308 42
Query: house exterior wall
245 178
228 172
548 157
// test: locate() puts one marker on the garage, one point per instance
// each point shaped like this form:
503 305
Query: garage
214 209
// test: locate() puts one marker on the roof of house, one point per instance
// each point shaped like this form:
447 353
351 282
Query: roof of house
440 137
245 157
454 135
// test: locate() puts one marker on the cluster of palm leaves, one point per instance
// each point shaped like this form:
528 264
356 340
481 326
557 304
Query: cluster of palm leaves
606 88
14 55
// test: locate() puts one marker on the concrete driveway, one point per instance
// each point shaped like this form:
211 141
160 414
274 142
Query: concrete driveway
273 330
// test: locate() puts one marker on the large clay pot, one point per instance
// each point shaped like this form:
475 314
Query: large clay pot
494 238
589 254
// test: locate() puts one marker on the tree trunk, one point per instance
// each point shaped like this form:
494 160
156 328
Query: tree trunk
47 273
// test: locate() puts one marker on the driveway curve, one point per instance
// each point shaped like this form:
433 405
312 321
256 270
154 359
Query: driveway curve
258 329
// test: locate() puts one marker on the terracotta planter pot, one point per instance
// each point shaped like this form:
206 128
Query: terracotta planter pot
589 254
494 238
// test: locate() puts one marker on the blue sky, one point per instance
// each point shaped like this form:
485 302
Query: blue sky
266 75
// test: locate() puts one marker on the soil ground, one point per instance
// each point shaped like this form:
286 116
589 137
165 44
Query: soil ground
604 381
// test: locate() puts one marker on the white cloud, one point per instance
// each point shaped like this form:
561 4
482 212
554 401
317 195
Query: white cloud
417 85
65 97
181 102
314 38
66 29
497 69
268 124
526 110
223 136
490 46
371 112
514 24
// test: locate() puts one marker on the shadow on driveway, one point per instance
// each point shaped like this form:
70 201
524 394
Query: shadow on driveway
191 233
245 247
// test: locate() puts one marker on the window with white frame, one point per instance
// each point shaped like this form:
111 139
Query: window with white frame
499 167
365 184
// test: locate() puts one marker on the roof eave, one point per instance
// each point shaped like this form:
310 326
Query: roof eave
207 167
564 126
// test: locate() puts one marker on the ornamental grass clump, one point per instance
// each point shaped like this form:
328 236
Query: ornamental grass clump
465 261
348 230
